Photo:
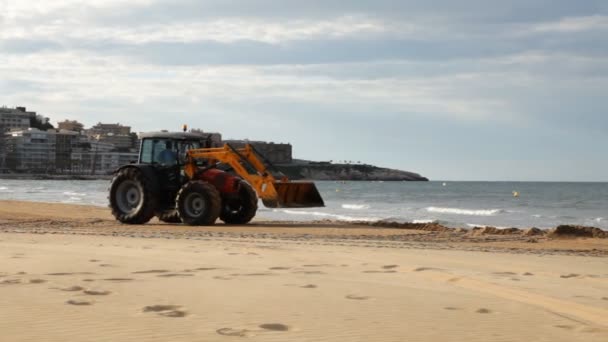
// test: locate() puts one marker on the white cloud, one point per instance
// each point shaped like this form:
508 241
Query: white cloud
571 24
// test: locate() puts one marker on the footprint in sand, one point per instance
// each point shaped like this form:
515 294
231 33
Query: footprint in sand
571 275
78 302
69 273
483 311
119 279
96 293
106 265
233 332
274 327
355 297
94 260
388 267
222 278
421 269
11 282
151 271
166 310
564 326
170 275
451 308
309 286
310 272
278 268
206 268
528 274
604 298
73 289
37 281
376 271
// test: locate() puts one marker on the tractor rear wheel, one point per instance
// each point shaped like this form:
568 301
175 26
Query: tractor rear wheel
198 203
242 210
169 216
131 197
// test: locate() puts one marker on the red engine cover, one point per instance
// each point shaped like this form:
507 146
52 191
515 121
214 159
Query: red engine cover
224 182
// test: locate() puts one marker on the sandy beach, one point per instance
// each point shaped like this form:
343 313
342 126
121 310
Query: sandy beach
71 273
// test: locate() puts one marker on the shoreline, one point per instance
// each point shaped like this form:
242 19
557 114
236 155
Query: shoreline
67 219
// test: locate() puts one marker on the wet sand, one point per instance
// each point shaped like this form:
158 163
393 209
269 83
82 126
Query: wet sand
71 273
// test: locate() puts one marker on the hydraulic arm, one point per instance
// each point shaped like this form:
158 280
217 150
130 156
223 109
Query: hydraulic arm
274 194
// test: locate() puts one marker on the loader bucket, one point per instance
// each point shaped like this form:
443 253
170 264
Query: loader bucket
296 195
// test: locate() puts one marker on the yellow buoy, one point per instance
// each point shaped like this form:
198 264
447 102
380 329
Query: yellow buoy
515 193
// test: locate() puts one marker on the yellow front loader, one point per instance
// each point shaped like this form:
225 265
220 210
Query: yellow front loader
274 194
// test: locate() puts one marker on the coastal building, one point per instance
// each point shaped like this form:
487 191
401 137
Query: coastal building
275 153
116 134
70 125
30 150
104 129
62 152
15 118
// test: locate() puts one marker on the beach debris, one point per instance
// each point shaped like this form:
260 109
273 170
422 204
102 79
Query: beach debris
515 193
534 232
569 231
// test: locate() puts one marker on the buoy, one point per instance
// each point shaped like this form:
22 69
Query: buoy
515 193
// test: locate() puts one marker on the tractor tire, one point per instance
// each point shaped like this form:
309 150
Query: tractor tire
169 216
198 203
242 210
131 197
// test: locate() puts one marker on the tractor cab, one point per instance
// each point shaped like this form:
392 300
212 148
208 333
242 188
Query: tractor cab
169 149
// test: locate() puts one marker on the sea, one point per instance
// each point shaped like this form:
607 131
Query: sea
454 204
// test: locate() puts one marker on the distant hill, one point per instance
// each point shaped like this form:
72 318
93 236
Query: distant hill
303 169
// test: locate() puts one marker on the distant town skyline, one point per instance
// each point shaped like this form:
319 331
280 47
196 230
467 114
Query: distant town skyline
468 90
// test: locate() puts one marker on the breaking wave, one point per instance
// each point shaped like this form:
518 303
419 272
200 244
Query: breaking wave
469 212
425 221
355 206
326 215
73 194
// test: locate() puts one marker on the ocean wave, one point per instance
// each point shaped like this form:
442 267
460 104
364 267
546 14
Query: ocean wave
425 221
74 194
474 225
326 215
3 188
469 212
355 206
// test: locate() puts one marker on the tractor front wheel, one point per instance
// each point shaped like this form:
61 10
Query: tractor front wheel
241 210
198 203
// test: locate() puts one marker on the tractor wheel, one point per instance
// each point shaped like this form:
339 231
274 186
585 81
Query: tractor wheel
242 210
169 216
198 203
131 198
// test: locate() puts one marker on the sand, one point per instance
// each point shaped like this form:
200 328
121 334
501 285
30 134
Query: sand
70 273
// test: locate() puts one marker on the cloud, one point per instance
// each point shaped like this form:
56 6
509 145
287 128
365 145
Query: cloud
573 24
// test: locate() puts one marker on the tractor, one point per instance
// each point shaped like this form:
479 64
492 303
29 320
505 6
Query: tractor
181 178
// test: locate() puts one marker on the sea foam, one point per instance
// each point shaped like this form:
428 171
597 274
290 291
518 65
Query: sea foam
326 215
355 206
469 212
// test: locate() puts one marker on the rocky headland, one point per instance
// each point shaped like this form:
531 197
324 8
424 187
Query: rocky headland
301 169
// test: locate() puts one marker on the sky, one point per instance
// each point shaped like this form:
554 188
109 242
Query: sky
454 90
